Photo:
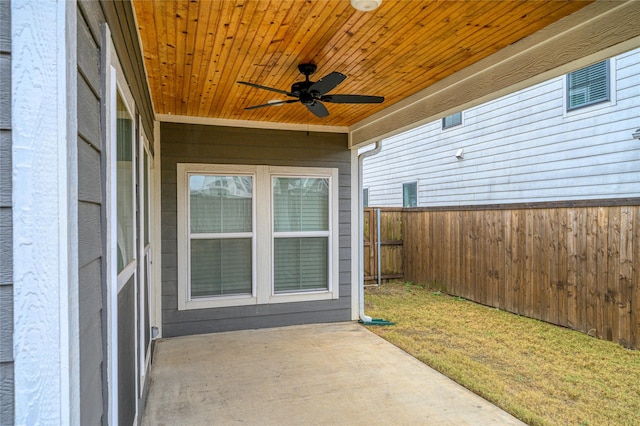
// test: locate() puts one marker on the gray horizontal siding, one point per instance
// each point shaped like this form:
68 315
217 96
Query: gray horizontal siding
121 19
182 143
90 196
523 147
6 223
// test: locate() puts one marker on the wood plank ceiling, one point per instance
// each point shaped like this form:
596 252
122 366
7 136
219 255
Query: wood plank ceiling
196 51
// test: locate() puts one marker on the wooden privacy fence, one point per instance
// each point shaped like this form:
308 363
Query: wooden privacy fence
383 245
575 266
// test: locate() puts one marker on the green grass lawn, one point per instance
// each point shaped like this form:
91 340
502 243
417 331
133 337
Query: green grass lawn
541 373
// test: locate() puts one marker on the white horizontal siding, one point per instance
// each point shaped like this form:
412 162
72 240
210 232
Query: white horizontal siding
523 147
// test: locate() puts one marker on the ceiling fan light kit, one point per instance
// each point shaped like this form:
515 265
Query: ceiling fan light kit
311 94
365 5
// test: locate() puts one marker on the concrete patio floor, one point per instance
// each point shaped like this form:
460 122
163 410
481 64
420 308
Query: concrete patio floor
324 374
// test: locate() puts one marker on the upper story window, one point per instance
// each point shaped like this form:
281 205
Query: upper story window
410 194
588 86
365 197
452 120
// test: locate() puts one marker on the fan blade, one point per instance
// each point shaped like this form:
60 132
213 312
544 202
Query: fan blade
327 83
257 86
318 109
290 101
352 99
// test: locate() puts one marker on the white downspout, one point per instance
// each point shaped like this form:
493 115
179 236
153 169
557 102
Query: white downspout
364 318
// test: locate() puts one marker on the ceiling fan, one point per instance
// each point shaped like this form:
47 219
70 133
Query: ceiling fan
312 94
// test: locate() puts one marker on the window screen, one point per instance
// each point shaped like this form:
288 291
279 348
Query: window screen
588 86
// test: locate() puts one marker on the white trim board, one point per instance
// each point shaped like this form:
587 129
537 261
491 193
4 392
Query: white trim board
45 222
185 119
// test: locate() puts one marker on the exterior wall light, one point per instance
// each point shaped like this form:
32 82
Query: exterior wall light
365 5
460 154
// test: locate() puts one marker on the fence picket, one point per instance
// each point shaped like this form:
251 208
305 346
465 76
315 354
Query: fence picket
573 266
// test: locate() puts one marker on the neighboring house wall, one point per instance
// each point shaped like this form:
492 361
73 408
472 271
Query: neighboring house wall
185 143
524 147
6 221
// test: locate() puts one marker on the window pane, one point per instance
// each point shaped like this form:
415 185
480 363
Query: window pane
410 194
452 120
301 264
147 189
220 204
301 204
220 267
588 85
124 185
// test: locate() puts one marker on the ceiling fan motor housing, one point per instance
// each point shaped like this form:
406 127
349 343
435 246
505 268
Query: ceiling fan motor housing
307 69
311 94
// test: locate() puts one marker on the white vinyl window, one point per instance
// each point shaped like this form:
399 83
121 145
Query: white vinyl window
256 235
452 120
410 194
588 86
220 235
300 234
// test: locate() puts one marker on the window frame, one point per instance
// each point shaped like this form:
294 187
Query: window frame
451 126
332 291
185 300
129 266
608 83
263 235
404 185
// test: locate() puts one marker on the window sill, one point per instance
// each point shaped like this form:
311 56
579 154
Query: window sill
303 297
216 302
231 301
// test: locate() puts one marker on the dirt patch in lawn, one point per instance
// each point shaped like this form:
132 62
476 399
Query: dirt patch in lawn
541 373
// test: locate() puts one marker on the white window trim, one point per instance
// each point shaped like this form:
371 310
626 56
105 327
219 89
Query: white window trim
145 250
332 291
262 241
184 285
593 108
455 126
